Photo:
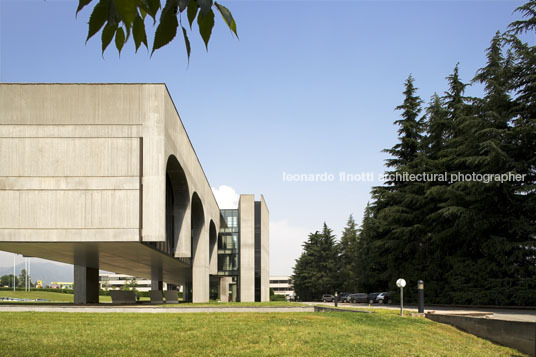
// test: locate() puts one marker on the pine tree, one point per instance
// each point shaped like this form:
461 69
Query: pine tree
372 274
317 270
410 129
397 207
349 259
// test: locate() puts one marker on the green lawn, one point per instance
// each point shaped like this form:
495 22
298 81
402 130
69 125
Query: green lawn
66 298
53 297
235 334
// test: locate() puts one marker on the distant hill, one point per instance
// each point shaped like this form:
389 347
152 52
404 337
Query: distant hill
47 272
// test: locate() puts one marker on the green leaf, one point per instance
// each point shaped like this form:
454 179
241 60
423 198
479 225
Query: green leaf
153 7
171 7
138 31
206 23
205 6
127 10
143 13
97 19
187 43
107 35
227 17
166 30
119 39
82 4
193 6
183 4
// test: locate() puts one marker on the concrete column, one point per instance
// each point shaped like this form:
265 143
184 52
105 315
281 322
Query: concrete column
213 250
86 285
265 251
246 215
156 279
184 245
224 288
86 275
157 285
200 264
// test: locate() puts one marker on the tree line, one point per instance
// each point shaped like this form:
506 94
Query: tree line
468 229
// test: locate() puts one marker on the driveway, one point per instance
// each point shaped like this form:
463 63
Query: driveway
491 313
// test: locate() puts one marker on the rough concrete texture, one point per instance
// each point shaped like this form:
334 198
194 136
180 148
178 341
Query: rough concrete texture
224 288
86 163
86 285
246 206
516 334
265 251
157 296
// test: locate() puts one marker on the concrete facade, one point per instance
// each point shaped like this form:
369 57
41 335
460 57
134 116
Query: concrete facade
104 176
254 224
265 251
84 170
282 285
246 218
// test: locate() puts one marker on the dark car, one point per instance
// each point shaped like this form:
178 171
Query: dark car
357 297
383 298
343 296
327 298
372 297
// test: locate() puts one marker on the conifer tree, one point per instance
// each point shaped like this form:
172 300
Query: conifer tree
349 259
317 270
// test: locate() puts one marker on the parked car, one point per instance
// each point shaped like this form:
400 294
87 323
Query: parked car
372 297
383 298
358 297
343 296
327 298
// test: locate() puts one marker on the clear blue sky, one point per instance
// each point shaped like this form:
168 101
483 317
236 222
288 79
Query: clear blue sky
310 87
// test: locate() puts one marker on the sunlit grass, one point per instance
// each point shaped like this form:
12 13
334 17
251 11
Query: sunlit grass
235 334
36 294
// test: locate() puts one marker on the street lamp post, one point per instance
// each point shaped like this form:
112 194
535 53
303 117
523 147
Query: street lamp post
420 288
401 283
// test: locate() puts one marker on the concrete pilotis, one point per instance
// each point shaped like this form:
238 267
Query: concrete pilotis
86 285
200 265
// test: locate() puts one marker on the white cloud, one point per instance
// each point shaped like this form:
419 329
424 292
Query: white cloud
226 197
285 246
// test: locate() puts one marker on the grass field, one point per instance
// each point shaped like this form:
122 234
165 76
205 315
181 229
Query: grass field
54 297
235 334
66 298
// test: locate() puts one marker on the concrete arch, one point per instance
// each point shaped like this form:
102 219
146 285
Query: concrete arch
177 201
213 248
200 251
197 223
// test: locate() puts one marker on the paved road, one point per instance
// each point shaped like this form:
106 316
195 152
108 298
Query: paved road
501 314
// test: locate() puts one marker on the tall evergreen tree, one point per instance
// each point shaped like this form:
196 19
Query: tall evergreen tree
410 129
317 270
396 210
349 259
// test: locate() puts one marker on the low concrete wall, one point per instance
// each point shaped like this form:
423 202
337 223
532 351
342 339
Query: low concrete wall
515 334
172 296
156 296
123 297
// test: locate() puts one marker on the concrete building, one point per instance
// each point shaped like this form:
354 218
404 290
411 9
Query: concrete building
282 285
114 281
104 176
